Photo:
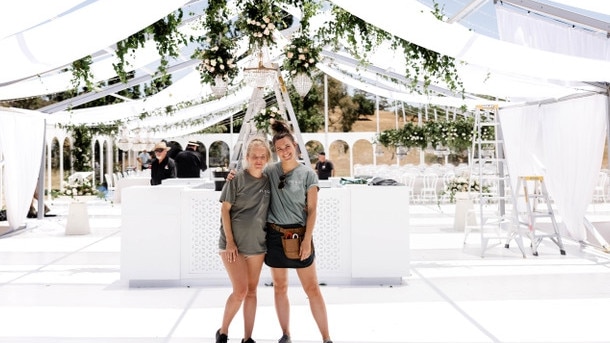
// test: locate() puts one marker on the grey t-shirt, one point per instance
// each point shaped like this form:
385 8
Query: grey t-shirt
289 204
249 198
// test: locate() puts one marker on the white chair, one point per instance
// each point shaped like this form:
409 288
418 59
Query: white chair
408 179
109 181
428 191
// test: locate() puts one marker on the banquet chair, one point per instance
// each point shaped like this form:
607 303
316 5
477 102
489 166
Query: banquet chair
428 191
408 179
109 181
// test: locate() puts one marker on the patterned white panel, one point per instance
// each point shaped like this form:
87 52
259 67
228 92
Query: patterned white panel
204 225
328 237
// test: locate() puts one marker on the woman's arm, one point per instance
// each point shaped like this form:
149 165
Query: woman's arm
312 208
231 250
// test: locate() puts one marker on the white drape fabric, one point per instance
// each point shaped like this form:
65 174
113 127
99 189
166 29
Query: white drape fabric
21 141
82 30
563 142
415 23
535 32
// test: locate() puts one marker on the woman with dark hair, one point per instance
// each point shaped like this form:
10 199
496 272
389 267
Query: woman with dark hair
293 208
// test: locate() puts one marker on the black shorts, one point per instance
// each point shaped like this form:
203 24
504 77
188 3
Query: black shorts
275 257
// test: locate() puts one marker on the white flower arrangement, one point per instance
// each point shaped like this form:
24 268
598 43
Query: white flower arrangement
257 21
80 188
462 184
266 117
217 61
301 55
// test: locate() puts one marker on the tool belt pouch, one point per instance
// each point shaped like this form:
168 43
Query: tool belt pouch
291 240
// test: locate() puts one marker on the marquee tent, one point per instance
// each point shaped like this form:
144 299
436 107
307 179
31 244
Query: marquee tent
510 71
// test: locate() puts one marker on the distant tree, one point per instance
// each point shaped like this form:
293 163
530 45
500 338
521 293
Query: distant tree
366 105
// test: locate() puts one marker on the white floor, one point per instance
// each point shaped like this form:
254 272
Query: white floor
59 288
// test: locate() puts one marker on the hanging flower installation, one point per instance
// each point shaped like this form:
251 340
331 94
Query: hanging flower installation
257 21
301 56
218 67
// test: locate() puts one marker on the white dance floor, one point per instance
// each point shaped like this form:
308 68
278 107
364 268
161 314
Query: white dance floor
59 288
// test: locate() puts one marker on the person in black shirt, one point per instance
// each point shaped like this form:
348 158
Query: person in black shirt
162 166
190 162
324 168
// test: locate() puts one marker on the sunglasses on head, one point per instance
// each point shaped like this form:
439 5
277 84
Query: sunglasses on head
282 181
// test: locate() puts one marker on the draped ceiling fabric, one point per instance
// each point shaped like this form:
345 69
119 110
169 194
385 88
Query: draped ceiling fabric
87 27
22 157
415 23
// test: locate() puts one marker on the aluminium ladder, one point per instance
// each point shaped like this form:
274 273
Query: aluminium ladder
248 129
488 169
531 192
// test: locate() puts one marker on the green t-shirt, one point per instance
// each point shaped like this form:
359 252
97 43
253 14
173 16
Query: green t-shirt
289 204
249 198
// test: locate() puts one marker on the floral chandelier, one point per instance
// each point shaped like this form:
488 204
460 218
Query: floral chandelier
258 21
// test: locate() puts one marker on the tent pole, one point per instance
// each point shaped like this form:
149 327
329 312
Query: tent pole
608 125
40 185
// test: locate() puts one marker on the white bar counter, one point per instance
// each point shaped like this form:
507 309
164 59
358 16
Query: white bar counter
170 236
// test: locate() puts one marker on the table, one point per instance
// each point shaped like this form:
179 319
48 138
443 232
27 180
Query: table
356 227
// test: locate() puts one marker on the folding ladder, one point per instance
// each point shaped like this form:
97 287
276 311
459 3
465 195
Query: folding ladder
531 192
257 103
488 169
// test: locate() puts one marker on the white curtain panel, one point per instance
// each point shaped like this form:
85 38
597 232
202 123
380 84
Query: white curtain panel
535 32
574 134
563 142
21 141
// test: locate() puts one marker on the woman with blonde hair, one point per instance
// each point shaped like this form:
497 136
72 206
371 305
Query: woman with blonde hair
245 201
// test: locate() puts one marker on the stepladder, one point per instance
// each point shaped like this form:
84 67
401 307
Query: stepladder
534 214
489 181
287 114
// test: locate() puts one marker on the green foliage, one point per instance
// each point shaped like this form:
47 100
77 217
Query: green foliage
217 56
456 135
363 38
81 151
257 21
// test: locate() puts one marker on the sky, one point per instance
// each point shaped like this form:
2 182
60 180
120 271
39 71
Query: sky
483 20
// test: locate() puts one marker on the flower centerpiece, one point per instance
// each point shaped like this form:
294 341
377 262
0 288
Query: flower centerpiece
81 187
265 118
462 184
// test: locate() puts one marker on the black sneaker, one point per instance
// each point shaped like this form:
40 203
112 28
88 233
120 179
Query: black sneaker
221 337
285 339
249 340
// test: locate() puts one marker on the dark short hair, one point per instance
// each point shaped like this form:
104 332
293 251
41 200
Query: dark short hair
322 153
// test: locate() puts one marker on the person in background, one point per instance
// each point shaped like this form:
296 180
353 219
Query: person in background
189 161
324 168
144 159
162 166
245 201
